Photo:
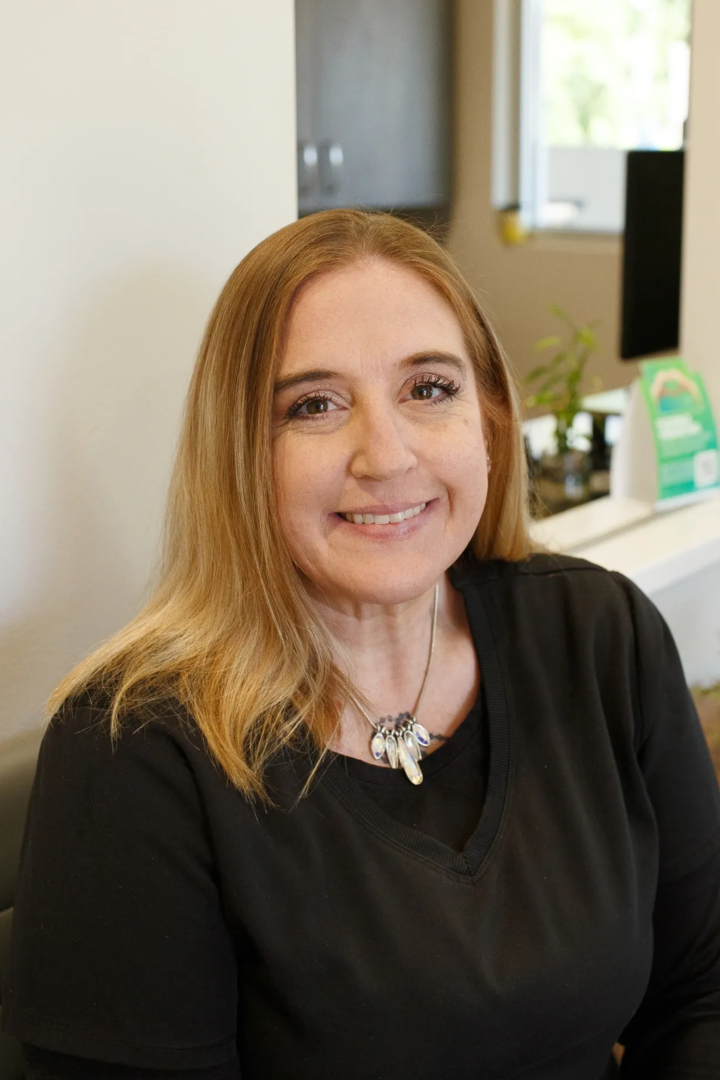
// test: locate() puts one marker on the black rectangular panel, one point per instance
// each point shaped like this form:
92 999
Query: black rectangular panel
652 255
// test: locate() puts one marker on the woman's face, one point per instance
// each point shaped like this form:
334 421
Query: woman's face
379 455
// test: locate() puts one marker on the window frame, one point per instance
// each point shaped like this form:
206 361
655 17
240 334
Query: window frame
519 172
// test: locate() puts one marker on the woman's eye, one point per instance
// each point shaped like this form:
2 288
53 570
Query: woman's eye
426 391
434 390
317 405
314 406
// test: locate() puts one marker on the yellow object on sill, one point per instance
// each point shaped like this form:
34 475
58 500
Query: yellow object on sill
511 226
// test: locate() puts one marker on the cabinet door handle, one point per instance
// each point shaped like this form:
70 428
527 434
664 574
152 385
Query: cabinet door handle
307 168
331 164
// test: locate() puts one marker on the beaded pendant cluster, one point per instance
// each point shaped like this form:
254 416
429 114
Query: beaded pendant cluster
401 740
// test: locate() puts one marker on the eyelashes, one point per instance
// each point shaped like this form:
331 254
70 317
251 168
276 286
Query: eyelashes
308 399
448 386
434 381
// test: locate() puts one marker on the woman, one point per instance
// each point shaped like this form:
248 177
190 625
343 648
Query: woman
368 789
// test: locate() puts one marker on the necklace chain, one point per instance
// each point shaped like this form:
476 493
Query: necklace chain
404 746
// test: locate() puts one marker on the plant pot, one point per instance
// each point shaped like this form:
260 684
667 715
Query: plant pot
563 480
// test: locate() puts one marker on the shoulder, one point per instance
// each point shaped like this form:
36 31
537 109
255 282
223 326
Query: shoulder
547 583
117 901
148 739
91 710
147 784
560 570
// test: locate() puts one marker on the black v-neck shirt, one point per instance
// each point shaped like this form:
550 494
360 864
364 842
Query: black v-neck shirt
448 803
570 900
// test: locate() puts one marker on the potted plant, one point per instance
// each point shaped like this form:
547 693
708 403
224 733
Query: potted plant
563 477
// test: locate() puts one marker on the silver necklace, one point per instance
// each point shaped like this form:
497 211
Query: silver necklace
401 739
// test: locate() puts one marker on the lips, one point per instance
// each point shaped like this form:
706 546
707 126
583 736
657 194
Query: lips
383 515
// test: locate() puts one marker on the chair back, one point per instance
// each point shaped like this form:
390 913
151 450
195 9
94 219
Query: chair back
18 760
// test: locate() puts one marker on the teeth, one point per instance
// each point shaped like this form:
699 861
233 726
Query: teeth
384 519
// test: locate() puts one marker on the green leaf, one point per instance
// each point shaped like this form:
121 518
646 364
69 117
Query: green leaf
558 382
536 373
543 398
547 342
560 314
552 380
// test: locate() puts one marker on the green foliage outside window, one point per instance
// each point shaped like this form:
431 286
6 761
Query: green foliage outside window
614 72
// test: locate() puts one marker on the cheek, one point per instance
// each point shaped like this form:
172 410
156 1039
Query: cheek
461 459
303 479
289 481
468 487
282 467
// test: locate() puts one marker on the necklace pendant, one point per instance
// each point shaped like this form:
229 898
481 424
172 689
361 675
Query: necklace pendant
409 764
392 749
411 743
421 734
377 745
401 746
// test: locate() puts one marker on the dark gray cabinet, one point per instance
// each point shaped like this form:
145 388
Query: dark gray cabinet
374 113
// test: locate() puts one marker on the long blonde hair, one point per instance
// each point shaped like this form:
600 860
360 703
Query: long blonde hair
229 632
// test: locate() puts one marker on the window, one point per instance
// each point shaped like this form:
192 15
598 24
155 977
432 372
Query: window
577 84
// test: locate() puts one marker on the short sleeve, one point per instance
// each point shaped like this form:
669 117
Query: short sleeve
120 951
671 747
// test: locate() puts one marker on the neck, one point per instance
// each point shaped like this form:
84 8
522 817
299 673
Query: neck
385 649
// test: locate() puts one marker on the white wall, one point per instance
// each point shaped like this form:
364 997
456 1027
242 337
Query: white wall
147 146
692 610
701 228
696 607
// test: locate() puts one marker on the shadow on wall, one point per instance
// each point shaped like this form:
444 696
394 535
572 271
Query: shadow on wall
92 485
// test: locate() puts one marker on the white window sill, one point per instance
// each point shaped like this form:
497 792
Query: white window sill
654 550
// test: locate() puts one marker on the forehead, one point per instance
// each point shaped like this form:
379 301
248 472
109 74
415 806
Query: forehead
369 310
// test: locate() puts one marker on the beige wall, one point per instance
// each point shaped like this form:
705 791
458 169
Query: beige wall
147 145
701 228
516 284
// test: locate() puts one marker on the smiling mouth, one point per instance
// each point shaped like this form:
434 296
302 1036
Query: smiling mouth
384 519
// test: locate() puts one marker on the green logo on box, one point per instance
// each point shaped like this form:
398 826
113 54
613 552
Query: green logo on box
683 426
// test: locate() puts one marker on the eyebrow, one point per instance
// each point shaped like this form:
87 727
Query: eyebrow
416 360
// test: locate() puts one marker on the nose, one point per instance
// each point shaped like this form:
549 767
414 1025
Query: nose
381 449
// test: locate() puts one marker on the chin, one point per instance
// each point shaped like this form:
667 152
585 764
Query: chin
387 586
380 576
